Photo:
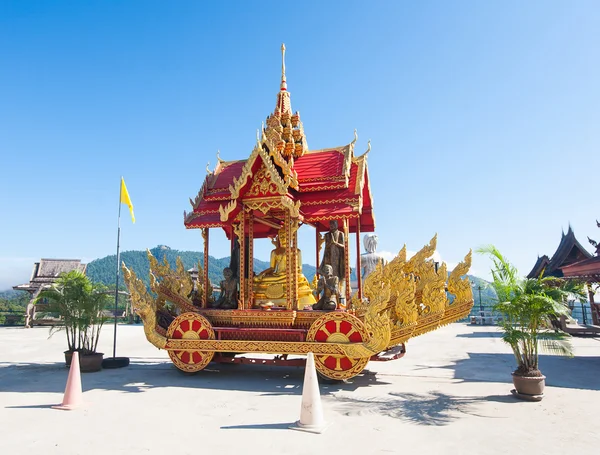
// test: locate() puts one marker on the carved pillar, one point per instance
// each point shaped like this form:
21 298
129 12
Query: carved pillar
294 229
358 264
594 307
288 259
347 257
242 240
207 290
318 247
250 259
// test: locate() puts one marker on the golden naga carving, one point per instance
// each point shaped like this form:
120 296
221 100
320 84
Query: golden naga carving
145 306
462 291
378 323
417 300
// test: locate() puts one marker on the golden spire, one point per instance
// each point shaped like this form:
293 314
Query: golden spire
283 81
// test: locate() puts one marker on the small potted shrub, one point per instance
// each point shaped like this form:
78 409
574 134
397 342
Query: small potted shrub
80 304
528 306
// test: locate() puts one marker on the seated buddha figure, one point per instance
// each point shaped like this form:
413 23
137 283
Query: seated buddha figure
271 284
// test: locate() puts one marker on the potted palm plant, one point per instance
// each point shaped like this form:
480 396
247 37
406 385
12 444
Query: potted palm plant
528 306
80 304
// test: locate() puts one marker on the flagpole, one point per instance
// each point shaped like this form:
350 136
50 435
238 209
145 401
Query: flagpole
118 262
115 362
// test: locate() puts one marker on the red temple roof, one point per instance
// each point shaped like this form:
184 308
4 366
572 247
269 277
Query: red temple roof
319 185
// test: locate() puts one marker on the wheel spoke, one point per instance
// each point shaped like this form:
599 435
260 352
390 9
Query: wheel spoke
338 324
324 330
338 367
351 332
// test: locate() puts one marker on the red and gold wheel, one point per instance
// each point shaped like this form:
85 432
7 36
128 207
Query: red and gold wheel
337 327
191 326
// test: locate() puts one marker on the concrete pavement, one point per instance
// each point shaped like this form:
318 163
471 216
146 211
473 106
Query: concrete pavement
449 394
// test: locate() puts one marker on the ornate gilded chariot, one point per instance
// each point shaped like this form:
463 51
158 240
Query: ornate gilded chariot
282 186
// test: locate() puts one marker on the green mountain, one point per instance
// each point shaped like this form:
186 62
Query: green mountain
103 270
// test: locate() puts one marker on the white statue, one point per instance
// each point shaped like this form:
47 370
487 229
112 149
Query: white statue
370 259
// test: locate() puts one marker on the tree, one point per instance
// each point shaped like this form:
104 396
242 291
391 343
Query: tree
529 306
79 302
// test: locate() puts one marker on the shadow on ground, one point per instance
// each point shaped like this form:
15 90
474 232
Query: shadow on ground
145 374
572 373
434 408
490 334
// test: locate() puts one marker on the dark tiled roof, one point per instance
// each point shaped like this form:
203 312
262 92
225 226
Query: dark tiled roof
46 271
568 252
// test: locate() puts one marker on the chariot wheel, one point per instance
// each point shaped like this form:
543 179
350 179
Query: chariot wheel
191 326
337 327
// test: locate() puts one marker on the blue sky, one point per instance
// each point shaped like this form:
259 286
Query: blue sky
483 117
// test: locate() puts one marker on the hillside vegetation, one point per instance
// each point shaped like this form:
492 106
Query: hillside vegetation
103 270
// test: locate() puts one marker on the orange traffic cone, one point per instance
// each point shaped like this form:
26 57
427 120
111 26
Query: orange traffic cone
311 412
73 394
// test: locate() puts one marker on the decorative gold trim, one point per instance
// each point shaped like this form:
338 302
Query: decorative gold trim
204 225
340 178
225 211
265 204
361 162
340 186
263 184
238 183
349 201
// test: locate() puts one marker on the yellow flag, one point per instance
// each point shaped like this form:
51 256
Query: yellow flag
125 199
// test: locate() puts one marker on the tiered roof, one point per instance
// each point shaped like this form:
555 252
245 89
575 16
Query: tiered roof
47 271
569 251
586 269
317 186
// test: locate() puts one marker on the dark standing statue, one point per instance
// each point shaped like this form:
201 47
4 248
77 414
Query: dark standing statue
329 286
334 254
228 298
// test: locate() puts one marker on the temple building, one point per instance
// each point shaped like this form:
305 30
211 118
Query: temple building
572 261
588 271
46 272
569 251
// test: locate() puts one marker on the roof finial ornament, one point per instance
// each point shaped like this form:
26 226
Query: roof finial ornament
283 81
355 137
207 167
219 156
368 147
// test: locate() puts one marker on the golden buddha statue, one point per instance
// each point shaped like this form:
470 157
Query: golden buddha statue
270 285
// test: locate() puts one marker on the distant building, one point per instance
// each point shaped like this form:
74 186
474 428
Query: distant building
572 261
569 251
43 275
588 271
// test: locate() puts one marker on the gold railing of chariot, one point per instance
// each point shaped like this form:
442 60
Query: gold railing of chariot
403 299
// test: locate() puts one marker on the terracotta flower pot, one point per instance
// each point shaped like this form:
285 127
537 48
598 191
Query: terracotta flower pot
68 358
91 362
529 386
87 363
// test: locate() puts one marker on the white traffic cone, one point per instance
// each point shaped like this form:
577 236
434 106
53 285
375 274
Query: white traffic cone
311 412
